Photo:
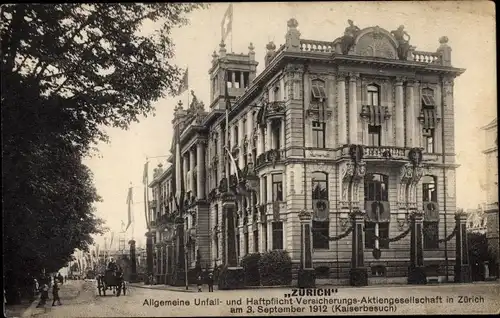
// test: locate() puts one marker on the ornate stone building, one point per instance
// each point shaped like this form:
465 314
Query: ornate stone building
491 187
293 127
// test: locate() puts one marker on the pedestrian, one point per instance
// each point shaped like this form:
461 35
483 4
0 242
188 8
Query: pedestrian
210 282
199 282
44 295
55 293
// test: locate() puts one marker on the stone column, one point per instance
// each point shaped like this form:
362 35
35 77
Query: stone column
185 169
353 109
179 277
358 275
416 271
167 263
269 136
242 80
200 154
462 266
400 142
306 277
410 115
233 79
342 117
282 133
192 160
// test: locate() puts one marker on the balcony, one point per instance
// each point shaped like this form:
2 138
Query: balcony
272 156
275 109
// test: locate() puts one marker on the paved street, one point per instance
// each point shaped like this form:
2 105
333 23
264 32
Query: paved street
81 300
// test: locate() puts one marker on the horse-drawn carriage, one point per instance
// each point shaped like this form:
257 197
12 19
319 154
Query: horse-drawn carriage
111 280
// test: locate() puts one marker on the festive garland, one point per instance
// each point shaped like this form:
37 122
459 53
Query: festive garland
335 238
449 237
394 239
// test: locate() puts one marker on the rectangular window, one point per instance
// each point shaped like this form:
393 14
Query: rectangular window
264 189
237 79
318 134
277 235
277 180
321 234
236 136
246 251
244 128
428 140
255 241
238 252
431 235
216 243
246 80
216 177
429 192
277 94
216 214
383 232
374 132
229 79
264 233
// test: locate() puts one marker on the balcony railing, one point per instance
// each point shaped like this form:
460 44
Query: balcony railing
272 156
373 152
316 46
426 57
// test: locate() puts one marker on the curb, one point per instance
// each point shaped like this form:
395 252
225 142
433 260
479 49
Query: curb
169 289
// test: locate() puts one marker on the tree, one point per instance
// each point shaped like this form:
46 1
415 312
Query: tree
91 60
68 71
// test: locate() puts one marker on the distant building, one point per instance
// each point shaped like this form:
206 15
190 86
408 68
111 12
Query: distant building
491 187
476 220
295 124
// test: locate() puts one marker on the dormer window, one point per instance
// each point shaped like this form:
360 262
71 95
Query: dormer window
318 90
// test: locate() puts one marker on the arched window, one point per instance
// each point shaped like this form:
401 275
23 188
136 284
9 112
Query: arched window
373 94
376 187
429 190
319 186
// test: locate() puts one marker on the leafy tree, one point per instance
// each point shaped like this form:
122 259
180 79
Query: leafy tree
68 71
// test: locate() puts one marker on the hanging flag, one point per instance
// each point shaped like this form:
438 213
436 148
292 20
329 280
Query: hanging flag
130 201
227 22
177 176
230 155
184 83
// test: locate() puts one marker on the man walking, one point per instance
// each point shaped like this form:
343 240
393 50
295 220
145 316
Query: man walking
55 293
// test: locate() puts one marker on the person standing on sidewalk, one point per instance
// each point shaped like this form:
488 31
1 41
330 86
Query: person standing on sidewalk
55 293
44 295
210 282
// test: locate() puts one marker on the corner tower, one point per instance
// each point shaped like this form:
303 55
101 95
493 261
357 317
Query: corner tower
241 68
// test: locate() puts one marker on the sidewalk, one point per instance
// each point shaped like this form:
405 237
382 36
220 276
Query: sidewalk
194 288
69 290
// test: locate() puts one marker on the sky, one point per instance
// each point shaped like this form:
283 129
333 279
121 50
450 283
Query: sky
470 27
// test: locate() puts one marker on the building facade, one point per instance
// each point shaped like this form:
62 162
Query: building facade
293 126
491 187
